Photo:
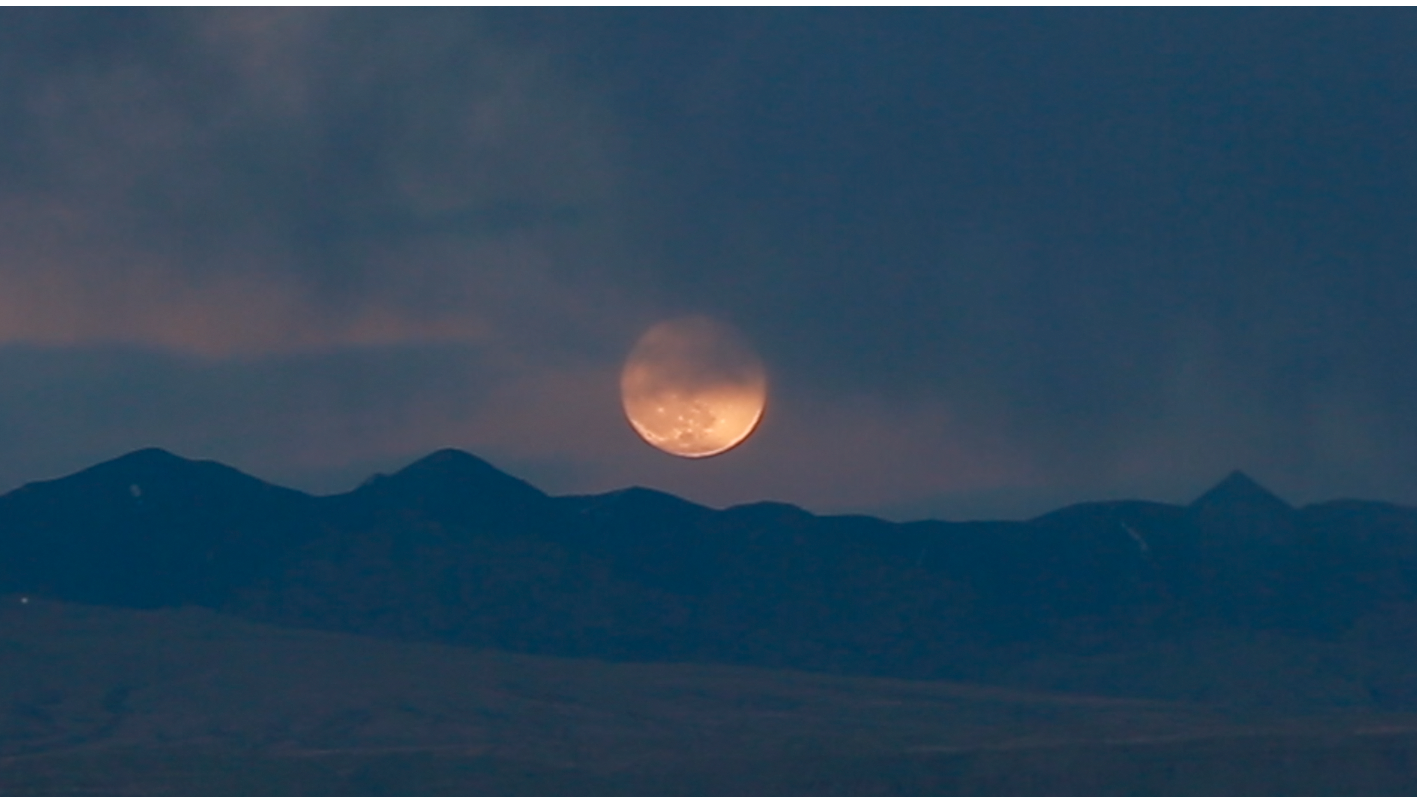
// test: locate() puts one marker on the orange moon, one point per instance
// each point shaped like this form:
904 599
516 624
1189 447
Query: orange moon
693 387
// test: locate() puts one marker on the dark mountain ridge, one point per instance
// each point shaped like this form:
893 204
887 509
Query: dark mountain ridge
450 549
146 529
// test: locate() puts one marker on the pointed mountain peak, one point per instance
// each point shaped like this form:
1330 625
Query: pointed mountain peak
148 463
449 487
151 475
1240 491
649 498
145 459
631 500
449 469
115 474
150 454
449 460
161 463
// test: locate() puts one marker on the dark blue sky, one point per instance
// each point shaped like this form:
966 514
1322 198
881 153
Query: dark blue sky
995 260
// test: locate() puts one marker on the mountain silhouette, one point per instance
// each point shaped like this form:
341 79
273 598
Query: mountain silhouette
1240 492
146 529
451 549
1245 557
448 487
454 481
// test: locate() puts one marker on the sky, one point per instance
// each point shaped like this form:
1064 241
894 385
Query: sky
994 261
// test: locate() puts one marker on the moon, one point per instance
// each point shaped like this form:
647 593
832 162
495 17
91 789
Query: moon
693 387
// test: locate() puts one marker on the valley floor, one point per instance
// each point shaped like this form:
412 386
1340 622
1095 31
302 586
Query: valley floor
106 702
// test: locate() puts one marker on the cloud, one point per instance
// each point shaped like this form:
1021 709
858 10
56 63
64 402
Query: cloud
978 260
303 242
264 181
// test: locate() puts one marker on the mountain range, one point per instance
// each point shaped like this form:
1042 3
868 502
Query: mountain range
1237 597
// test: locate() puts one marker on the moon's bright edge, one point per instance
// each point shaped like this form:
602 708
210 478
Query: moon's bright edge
693 387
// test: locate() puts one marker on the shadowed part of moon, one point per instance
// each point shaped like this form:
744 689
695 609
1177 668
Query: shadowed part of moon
693 387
